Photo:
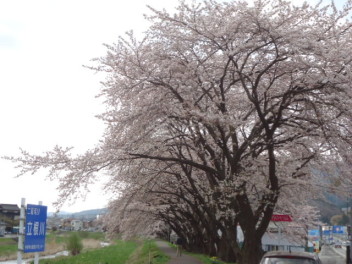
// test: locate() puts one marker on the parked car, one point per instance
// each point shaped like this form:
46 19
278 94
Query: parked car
345 243
338 245
282 257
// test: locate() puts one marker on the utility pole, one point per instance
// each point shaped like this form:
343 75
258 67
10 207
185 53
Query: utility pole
36 254
348 248
21 231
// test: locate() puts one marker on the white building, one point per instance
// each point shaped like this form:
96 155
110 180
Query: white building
76 225
272 241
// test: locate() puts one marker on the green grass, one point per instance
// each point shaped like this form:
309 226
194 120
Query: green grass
63 237
55 237
148 252
123 252
115 254
203 258
8 246
91 235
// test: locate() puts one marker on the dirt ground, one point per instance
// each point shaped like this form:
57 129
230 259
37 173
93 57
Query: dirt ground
91 243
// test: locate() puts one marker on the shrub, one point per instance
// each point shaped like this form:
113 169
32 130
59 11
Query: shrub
74 244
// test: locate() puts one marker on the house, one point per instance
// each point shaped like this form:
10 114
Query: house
11 211
9 214
66 224
283 242
54 222
274 239
76 225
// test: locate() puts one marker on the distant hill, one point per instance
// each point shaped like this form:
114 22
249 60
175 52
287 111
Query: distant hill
327 209
332 200
87 214
91 212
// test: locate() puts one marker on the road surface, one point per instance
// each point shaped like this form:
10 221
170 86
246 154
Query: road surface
331 255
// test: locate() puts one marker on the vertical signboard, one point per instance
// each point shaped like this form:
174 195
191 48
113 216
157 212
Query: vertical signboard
35 230
314 236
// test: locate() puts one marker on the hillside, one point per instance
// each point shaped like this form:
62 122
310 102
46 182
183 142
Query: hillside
87 214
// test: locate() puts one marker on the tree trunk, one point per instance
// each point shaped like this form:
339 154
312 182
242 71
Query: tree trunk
226 251
212 250
197 244
251 251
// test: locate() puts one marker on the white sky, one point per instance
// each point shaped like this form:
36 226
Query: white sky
46 96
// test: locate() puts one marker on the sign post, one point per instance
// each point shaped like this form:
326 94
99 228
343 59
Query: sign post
349 248
36 254
35 229
20 231
280 218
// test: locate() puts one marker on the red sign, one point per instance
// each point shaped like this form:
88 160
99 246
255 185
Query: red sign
281 218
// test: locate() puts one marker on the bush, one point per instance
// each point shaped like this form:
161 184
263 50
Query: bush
74 244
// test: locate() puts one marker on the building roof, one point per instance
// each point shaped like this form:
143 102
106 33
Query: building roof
9 207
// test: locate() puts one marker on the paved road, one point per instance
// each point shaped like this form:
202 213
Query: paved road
330 255
171 252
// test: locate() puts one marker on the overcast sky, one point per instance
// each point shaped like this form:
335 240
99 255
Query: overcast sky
46 97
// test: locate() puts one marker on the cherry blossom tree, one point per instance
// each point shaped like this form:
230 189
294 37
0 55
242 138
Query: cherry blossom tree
216 118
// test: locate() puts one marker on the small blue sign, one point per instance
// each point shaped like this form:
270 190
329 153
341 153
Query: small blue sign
337 229
35 231
327 232
313 232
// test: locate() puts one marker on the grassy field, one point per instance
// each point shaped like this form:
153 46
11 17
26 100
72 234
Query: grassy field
8 247
148 252
57 238
117 254
55 242
61 237
120 252
125 253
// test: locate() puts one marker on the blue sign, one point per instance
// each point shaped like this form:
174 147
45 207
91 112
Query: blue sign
35 231
337 229
327 232
313 232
